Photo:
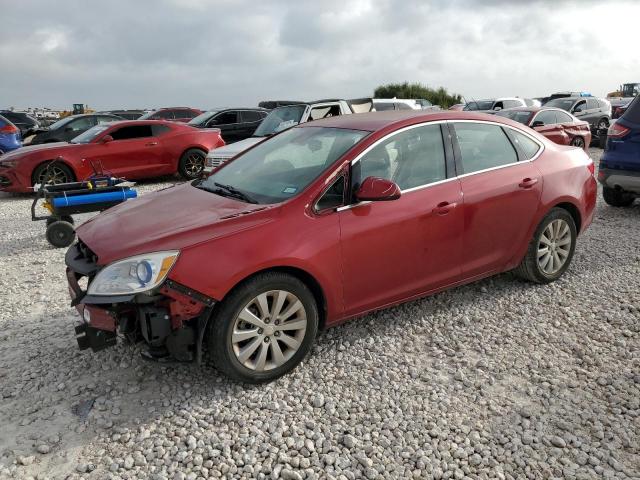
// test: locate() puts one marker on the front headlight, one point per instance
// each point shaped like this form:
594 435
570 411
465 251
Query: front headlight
133 275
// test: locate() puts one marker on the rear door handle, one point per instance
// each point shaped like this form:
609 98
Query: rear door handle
528 182
151 144
444 207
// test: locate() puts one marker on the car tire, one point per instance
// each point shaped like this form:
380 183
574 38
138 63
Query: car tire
191 164
61 234
59 171
577 142
553 241
603 124
256 351
617 198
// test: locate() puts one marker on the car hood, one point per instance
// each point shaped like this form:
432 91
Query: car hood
169 219
232 150
28 149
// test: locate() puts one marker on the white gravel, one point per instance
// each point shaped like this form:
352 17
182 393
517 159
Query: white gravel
496 380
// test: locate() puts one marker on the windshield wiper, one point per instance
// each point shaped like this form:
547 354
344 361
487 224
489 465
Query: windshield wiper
234 192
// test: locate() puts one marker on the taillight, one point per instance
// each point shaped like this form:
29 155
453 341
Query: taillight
617 131
591 167
9 129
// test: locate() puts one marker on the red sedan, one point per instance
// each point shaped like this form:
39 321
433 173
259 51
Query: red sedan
130 149
555 124
325 222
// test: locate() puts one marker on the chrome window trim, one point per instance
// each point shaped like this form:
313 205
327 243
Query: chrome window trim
438 122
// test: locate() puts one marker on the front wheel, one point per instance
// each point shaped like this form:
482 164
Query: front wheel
191 164
52 174
617 198
551 248
264 329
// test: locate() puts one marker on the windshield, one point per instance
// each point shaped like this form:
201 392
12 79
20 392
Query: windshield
203 117
521 116
280 119
563 103
90 134
61 123
479 105
147 115
280 168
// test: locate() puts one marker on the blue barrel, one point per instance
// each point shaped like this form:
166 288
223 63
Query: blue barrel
119 196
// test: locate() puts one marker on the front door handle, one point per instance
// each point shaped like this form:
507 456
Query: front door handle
444 207
151 144
528 182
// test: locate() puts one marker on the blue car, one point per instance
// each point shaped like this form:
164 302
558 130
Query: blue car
619 171
10 137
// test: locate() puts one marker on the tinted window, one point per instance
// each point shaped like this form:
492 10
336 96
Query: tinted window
483 146
520 116
249 116
333 197
564 117
411 158
164 114
527 147
134 131
547 117
381 107
158 130
185 114
81 124
479 105
224 118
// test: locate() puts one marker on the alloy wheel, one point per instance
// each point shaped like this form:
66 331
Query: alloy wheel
194 164
269 330
53 175
554 247
578 142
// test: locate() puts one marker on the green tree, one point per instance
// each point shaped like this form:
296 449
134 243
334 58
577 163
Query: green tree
416 90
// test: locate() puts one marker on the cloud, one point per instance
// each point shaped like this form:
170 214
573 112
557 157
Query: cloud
237 52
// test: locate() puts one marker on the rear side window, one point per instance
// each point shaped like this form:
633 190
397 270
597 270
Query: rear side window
564 118
483 146
134 131
592 103
324 112
511 103
528 148
224 118
249 116
547 117
381 107
157 130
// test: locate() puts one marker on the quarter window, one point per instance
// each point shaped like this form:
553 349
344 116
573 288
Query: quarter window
411 159
547 117
225 118
134 131
528 148
333 197
483 146
564 118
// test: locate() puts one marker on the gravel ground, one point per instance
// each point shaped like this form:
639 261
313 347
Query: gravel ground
496 380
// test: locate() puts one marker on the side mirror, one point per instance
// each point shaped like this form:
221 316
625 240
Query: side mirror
107 139
376 189
537 123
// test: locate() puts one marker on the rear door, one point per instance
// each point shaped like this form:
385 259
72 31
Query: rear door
134 152
394 250
250 119
228 123
501 189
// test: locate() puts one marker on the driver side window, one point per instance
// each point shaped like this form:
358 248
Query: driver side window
411 159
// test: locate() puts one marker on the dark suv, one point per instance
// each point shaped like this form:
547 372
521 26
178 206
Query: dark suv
619 171
173 114
235 124
25 122
596 111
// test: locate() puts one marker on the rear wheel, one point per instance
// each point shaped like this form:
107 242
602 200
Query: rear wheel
191 164
551 249
61 234
603 124
264 328
577 142
617 198
52 173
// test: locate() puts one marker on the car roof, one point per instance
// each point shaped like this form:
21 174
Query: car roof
255 109
374 121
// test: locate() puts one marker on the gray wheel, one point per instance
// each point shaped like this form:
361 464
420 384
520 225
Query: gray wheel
264 328
577 142
192 164
61 234
53 174
603 124
551 249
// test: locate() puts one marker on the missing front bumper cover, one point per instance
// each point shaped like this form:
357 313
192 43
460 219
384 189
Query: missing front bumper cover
89 337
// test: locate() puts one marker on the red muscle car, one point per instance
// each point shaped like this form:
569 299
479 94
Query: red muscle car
127 149
557 125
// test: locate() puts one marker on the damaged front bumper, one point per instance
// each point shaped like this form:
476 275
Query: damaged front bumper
171 319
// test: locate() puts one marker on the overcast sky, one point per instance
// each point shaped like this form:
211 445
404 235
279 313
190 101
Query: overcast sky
208 53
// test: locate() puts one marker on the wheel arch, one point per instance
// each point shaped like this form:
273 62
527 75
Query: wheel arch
65 162
573 210
305 277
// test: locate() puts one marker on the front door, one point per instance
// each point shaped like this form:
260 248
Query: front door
397 249
501 194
